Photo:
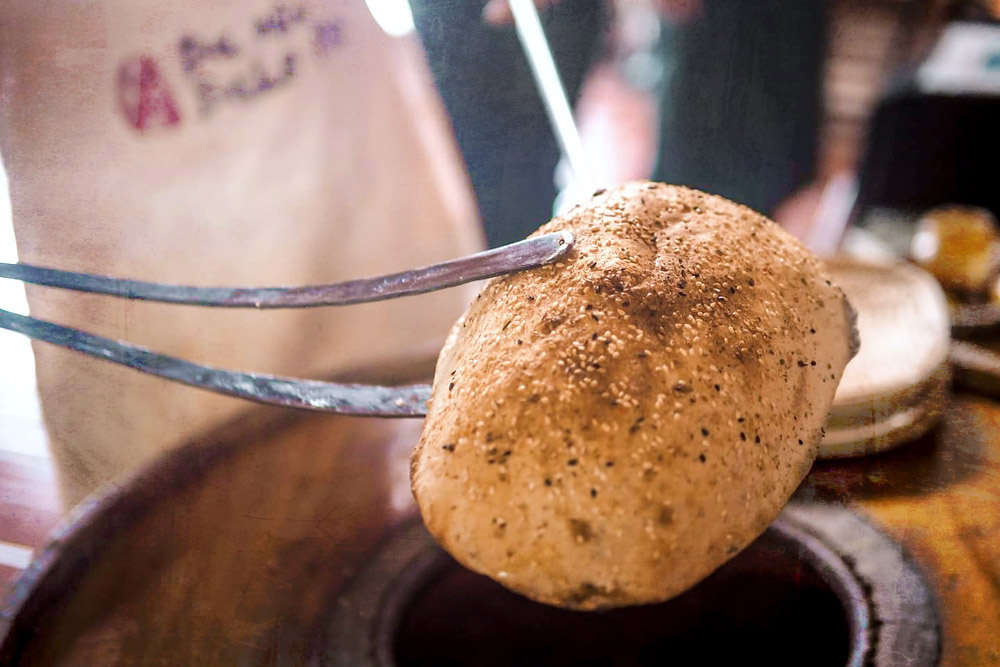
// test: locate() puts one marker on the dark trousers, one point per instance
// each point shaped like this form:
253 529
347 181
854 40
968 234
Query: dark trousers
503 133
739 106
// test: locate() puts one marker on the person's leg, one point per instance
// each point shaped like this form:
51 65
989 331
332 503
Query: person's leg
740 113
501 127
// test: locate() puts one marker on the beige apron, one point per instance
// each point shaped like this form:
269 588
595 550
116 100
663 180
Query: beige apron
223 143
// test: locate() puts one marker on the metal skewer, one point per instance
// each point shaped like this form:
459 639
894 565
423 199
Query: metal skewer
543 67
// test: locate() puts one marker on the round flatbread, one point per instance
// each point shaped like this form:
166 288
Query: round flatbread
609 430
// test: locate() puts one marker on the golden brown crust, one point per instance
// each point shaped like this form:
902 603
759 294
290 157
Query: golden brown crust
609 430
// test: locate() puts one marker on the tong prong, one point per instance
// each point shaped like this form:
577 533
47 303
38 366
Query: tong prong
527 254
348 399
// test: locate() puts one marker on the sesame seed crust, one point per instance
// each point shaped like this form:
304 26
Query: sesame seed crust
609 430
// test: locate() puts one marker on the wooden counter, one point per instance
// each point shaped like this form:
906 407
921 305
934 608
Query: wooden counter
231 550
940 497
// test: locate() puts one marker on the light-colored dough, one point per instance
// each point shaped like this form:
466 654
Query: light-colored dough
609 430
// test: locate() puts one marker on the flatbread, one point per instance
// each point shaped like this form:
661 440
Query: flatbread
609 430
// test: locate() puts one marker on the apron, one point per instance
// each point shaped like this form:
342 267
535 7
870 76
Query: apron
225 143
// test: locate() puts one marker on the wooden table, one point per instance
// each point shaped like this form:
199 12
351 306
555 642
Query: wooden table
940 497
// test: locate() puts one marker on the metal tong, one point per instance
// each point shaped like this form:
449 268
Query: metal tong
349 399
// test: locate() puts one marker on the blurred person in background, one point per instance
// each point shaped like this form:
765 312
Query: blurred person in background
500 124
732 96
